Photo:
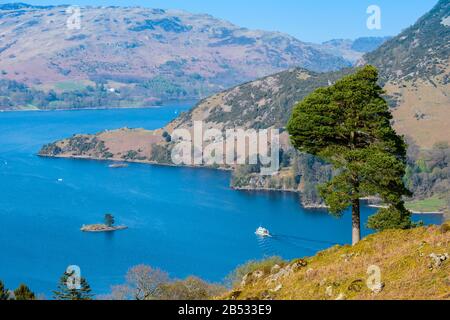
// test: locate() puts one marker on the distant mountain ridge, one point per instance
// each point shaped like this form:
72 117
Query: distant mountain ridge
21 5
353 50
140 54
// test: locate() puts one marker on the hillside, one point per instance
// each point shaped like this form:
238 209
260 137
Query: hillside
415 68
263 103
128 56
342 273
420 52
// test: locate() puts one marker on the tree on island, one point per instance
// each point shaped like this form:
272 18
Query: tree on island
64 292
24 293
348 125
109 220
4 293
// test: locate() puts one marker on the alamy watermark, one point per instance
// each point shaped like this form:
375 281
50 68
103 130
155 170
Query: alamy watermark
73 281
374 20
230 147
374 279
373 282
73 22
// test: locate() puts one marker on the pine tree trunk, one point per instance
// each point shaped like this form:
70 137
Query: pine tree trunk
356 222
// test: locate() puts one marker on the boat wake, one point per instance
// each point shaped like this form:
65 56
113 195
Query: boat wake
268 244
296 238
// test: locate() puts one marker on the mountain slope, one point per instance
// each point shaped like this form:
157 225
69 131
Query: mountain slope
415 69
421 51
259 104
150 53
342 273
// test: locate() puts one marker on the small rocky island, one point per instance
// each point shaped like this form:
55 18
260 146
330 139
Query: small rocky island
107 226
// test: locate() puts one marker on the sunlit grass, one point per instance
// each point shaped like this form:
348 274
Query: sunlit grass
434 204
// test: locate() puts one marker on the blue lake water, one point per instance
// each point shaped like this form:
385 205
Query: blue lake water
184 221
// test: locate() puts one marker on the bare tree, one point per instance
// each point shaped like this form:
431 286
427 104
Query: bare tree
118 293
147 283
144 282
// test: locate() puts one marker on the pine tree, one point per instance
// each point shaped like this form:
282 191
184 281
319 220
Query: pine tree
348 125
64 293
4 293
109 220
24 293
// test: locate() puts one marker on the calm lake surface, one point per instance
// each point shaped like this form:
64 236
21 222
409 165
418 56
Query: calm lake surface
184 221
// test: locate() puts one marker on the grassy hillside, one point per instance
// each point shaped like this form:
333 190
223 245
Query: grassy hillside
414 264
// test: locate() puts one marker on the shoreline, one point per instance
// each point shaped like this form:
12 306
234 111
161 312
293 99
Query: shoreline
241 189
90 108
163 104
412 211
146 162
248 189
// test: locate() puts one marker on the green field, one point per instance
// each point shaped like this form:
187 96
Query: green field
70 86
435 204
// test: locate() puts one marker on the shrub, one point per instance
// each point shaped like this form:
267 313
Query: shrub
161 154
266 265
147 283
391 218
24 293
445 227
192 288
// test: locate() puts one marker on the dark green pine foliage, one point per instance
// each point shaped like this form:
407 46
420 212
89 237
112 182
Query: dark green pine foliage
64 293
4 293
24 293
109 220
348 125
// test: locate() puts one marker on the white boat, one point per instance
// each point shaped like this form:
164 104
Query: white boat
262 232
